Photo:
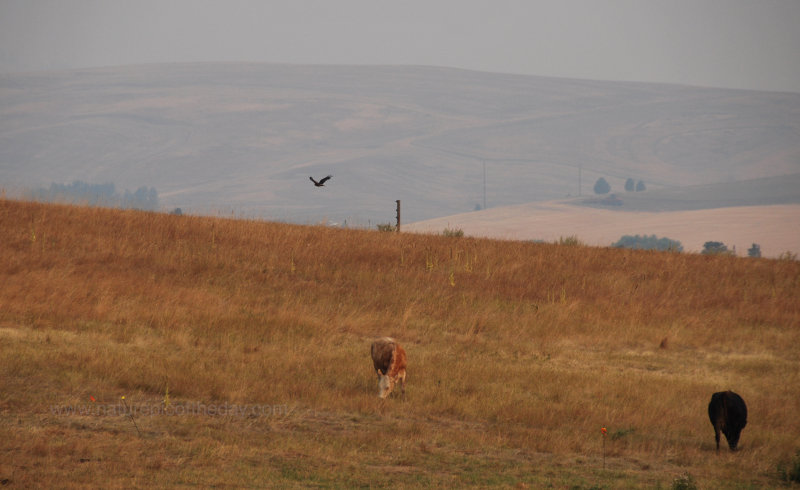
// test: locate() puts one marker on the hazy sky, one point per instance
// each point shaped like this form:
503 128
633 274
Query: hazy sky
723 43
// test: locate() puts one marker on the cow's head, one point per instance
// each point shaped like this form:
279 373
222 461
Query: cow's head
387 383
732 435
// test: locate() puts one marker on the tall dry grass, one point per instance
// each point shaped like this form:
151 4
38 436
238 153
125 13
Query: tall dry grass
518 354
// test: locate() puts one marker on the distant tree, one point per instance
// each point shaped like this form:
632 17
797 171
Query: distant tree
754 251
630 185
478 206
601 186
715 248
640 186
648 243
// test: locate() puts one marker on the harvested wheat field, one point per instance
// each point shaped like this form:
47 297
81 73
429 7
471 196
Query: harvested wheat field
775 228
241 349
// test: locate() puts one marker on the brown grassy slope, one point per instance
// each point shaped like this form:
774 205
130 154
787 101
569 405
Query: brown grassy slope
518 354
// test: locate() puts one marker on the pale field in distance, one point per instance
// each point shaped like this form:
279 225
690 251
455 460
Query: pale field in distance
775 228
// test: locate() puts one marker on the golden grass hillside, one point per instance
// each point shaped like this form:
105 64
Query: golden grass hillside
242 351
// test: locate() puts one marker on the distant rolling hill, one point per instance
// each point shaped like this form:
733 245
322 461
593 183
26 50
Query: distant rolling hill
244 138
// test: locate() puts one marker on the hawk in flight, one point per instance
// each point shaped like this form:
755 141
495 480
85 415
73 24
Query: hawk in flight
321 181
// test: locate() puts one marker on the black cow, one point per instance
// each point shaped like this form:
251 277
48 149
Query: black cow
728 413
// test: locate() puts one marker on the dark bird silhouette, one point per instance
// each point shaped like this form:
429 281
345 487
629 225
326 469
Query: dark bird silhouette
321 181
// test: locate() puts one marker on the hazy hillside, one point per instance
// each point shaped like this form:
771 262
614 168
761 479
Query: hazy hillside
244 138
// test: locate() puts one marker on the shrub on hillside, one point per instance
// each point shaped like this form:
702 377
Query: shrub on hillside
457 232
570 240
684 482
651 242
790 471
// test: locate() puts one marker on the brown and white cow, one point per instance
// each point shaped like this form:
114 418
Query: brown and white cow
389 360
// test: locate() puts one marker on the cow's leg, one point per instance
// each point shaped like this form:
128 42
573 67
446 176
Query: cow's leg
716 436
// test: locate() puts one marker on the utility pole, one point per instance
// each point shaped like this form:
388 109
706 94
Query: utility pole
398 215
484 183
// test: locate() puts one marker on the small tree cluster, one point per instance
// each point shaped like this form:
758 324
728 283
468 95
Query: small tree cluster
630 186
97 195
651 242
603 187
715 248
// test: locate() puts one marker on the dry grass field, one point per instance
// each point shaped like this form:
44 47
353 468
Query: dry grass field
241 349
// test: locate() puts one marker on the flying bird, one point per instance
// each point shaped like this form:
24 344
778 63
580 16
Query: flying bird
321 181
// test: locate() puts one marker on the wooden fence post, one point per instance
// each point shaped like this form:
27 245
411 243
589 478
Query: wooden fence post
398 215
